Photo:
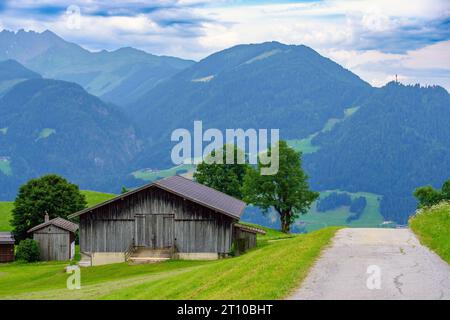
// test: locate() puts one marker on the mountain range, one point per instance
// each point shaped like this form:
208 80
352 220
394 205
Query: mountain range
268 85
56 126
119 76
96 117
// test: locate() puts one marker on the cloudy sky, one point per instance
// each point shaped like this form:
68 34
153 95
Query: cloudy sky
376 39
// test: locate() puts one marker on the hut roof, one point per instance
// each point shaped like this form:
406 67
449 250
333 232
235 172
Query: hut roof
58 222
248 228
6 238
190 190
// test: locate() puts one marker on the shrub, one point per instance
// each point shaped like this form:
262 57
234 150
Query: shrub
28 250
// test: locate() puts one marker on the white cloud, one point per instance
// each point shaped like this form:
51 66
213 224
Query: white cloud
375 39
433 56
427 66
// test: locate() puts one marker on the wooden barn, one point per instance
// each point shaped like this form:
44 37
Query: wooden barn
170 218
56 239
6 247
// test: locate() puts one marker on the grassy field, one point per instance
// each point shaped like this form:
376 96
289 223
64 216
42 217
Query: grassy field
432 226
271 234
92 198
150 175
305 145
270 271
371 216
315 220
45 133
5 215
5 167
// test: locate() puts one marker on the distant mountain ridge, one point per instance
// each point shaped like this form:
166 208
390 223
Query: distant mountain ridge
268 85
116 76
11 69
11 73
52 126
397 141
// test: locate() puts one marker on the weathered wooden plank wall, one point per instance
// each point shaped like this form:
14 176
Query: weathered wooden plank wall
6 253
146 216
244 240
54 243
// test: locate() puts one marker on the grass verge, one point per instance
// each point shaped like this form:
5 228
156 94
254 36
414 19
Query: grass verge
432 227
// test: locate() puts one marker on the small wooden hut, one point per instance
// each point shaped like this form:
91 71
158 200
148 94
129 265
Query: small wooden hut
56 239
6 247
245 237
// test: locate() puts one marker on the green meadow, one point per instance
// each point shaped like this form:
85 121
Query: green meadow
149 175
5 167
272 270
5 215
306 146
371 216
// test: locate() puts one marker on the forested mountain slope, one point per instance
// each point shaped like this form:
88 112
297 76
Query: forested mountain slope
397 141
119 76
268 85
11 73
50 126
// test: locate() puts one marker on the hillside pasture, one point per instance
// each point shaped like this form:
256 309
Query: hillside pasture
150 175
5 215
370 217
272 270
5 166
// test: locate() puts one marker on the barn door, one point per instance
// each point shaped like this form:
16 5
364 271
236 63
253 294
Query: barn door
167 236
154 231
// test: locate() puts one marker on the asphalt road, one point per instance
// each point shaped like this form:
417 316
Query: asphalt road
376 264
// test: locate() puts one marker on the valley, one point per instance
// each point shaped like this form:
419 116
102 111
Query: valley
108 125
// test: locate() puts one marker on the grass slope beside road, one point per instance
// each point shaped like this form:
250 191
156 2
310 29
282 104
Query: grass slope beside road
270 271
432 226
92 198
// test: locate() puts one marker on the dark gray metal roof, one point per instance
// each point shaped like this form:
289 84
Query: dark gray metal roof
6 238
187 189
204 195
58 222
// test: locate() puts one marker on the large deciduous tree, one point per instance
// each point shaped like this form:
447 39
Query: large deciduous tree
287 191
52 194
227 178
